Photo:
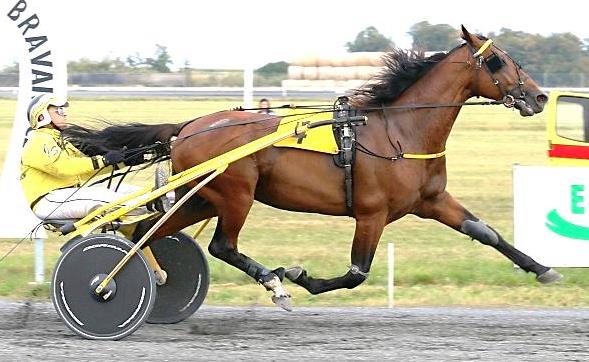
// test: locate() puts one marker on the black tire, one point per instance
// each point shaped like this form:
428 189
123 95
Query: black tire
80 269
187 281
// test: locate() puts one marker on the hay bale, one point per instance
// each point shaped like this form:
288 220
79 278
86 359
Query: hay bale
361 58
348 73
349 60
338 61
325 73
310 73
338 73
308 61
323 61
365 72
295 72
376 60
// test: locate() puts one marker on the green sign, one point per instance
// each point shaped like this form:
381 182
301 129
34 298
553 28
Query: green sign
559 225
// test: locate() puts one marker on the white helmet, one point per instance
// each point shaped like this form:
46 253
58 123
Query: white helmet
38 107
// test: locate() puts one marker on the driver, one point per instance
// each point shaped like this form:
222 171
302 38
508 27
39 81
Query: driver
53 169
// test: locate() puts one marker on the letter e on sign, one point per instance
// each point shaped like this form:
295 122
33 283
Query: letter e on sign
577 198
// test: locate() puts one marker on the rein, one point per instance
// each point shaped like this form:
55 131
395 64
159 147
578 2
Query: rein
329 108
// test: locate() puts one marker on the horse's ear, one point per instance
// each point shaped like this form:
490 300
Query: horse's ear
466 35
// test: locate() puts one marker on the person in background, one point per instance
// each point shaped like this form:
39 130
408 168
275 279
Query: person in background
53 169
264 107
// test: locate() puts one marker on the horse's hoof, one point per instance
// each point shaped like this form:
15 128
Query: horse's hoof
293 273
283 302
549 276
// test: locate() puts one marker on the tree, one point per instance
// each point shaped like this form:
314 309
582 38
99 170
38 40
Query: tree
161 60
274 68
159 63
521 46
85 65
556 60
557 53
370 40
433 37
586 46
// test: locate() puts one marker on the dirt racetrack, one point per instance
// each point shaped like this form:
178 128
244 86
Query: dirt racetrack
32 331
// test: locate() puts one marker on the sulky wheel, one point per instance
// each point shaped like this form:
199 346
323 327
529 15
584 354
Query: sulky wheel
187 280
125 302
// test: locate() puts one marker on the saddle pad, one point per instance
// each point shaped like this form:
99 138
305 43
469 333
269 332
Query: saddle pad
318 139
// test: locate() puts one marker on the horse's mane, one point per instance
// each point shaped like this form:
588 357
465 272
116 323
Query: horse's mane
402 68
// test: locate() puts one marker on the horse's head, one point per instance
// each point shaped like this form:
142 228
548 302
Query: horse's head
497 76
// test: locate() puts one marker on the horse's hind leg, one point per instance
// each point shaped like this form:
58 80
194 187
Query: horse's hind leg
366 237
445 209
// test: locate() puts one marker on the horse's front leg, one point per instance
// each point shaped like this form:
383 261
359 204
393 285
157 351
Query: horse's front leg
366 237
445 209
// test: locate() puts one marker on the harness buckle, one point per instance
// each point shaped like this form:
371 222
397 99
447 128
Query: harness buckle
354 269
509 101
479 63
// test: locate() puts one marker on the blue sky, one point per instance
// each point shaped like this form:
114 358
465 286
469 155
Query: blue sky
234 34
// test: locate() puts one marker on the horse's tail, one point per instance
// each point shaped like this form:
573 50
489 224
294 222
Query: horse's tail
150 138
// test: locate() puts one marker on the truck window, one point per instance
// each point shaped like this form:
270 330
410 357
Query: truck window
572 118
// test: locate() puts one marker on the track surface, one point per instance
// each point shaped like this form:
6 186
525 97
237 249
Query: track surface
34 332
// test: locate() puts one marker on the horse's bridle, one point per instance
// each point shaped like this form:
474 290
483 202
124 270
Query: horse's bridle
493 63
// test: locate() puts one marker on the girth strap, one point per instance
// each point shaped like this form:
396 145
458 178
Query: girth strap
344 130
423 156
348 158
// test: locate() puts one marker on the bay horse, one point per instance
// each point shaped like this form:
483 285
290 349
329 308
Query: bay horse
414 102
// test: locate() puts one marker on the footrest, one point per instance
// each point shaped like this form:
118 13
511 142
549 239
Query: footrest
67 228
58 223
64 226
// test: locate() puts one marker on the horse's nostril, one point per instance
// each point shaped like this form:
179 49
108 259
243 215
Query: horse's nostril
541 98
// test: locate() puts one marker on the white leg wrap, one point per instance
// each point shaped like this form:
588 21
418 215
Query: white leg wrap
276 287
281 298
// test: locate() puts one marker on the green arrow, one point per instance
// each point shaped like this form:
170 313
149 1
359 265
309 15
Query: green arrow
565 228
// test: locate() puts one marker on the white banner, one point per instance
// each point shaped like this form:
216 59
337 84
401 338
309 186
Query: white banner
41 70
551 214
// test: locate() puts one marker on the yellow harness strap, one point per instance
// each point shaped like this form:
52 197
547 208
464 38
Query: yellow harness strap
483 48
424 156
